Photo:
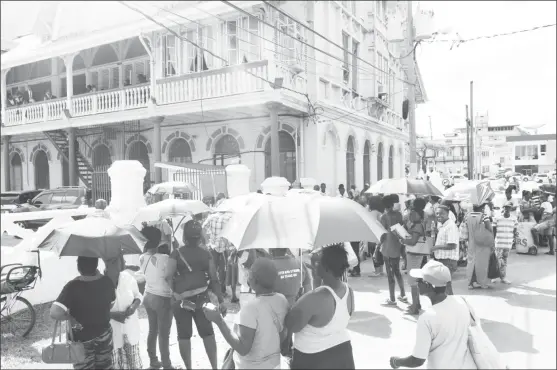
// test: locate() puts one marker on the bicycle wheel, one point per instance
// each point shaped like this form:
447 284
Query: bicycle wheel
21 322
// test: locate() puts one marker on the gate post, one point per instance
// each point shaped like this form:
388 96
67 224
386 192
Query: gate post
275 149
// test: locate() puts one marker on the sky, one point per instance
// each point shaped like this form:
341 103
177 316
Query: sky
514 76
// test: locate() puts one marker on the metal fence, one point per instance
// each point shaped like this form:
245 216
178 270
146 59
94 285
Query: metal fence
101 187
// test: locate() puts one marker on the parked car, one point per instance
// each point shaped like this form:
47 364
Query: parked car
69 197
11 200
542 178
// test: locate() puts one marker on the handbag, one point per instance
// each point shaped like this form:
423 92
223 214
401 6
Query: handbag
481 348
63 353
423 246
352 257
493 270
482 236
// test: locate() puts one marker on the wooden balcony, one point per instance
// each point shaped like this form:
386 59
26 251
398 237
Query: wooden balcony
216 83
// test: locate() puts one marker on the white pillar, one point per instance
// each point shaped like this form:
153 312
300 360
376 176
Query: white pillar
68 61
54 78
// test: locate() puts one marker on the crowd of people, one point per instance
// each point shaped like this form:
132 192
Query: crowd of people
295 306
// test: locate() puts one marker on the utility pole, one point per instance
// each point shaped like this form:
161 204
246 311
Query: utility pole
468 144
472 133
411 70
430 129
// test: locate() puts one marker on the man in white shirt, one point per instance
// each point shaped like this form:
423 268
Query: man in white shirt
341 193
442 329
547 222
447 242
515 204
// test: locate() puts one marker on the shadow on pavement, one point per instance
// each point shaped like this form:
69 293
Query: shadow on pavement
536 301
508 338
370 324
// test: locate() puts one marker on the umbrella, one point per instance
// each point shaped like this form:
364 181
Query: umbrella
404 186
169 208
549 188
475 192
94 237
301 222
238 202
530 186
172 187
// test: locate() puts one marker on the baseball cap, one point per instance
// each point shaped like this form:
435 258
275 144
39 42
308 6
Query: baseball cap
508 204
434 273
264 272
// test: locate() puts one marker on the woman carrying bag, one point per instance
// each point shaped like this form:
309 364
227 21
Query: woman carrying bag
477 230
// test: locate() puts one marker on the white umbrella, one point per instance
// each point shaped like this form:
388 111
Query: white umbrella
301 222
169 208
239 202
530 186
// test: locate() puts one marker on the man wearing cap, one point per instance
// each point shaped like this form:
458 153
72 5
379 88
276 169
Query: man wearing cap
446 245
504 230
442 329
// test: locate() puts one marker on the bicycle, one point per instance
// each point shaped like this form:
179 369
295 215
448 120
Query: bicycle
17 314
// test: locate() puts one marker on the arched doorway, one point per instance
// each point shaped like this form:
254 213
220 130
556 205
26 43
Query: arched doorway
367 170
179 151
350 163
380 161
227 150
287 157
42 170
138 151
16 172
391 162
101 157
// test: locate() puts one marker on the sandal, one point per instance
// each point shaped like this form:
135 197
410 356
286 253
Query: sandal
403 299
388 302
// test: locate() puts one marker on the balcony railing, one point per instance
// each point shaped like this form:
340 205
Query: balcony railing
238 79
36 112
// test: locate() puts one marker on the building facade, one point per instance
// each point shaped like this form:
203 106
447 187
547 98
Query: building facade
208 84
492 153
533 154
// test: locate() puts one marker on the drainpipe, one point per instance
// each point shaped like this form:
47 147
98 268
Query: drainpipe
152 60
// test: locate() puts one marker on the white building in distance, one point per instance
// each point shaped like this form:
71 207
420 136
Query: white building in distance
533 154
202 85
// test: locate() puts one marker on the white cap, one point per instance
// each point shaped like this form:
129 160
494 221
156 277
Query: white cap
434 273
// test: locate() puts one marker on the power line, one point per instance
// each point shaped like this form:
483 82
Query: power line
462 41
311 46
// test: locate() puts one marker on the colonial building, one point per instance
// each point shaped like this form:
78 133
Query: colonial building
533 154
292 89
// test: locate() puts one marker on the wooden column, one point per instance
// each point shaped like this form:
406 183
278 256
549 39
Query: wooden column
72 164
6 162
157 147
275 149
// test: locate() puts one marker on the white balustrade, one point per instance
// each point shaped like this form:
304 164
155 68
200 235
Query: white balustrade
214 83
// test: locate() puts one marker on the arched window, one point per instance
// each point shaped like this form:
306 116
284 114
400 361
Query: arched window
367 175
226 148
179 151
287 157
380 161
42 170
104 55
350 163
101 157
138 151
391 162
16 172
135 49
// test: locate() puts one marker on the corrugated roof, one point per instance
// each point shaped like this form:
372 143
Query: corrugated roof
532 137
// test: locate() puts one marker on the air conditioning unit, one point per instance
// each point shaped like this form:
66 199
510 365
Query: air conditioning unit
381 94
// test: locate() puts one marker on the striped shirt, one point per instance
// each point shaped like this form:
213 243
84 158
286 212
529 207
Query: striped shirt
536 201
505 231
447 234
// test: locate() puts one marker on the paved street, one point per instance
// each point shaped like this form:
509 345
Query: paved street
520 319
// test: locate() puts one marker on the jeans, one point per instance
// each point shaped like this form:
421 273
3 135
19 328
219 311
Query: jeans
159 315
220 264
393 271
502 256
356 248
98 353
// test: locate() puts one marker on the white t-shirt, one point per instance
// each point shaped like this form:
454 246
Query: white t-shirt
442 335
266 315
547 207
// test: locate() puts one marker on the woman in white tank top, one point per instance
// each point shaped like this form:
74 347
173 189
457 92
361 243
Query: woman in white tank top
320 318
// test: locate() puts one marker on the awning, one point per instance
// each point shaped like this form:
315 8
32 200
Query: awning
190 166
